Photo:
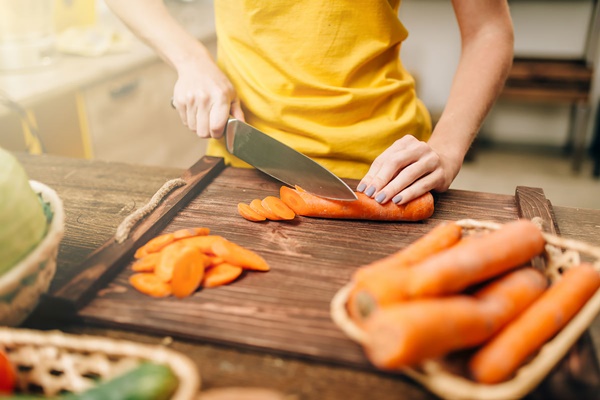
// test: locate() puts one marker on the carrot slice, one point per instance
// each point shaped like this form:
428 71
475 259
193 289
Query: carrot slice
235 254
202 243
147 263
365 208
278 207
189 232
188 271
248 213
168 257
149 284
155 245
221 274
257 206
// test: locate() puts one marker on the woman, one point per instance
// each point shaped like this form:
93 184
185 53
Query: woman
325 77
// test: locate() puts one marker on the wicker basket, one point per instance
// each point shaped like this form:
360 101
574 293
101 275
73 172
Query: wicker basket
560 254
50 362
22 286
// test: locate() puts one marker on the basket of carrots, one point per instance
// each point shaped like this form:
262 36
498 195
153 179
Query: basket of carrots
463 312
53 364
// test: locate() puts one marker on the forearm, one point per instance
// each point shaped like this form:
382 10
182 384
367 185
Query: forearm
151 21
485 60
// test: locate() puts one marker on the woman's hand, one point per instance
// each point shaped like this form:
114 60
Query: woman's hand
205 99
408 169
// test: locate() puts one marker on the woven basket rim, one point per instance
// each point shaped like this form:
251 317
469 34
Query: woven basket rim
182 366
51 239
432 375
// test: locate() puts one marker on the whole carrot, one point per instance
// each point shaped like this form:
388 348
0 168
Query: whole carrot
407 333
374 275
499 359
308 205
452 270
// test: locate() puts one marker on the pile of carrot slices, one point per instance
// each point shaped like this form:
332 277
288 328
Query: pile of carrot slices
477 293
181 262
270 208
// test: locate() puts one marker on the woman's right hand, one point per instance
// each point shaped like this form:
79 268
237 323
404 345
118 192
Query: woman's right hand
205 98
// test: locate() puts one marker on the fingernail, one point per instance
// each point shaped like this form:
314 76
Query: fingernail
397 199
380 197
370 191
361 188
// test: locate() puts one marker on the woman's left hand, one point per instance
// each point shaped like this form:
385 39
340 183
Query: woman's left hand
406 170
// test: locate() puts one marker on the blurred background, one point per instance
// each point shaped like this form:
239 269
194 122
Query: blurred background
74 82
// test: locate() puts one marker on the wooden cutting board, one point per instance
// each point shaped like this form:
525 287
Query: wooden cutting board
285 310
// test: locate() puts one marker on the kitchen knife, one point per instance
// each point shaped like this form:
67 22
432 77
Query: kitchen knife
282 162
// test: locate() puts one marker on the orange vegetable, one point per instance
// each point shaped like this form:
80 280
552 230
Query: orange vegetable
203 243
221 274
169 256
498 359
188 271
373 276
235 254
150 284
257 206
308 205
248 213
147 263
276 206
159 242
8 375
458 267
407 333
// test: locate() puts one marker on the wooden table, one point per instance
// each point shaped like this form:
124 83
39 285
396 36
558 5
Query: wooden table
98 195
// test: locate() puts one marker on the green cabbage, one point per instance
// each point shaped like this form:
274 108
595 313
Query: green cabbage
22 219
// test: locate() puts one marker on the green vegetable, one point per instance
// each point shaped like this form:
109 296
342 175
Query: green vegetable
22 219
148 381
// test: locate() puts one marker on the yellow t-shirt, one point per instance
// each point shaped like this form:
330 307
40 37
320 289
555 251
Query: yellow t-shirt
321 76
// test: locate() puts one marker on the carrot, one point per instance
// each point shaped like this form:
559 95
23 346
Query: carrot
221 274
149 284
235 254
308 205
189 232
202 243
278 207
168 257
146 263
257 206
188 271
498 359
407 333
154 245
248 213
373 276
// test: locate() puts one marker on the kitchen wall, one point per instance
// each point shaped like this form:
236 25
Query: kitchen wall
556 29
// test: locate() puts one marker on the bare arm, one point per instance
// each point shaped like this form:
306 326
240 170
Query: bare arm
409 167
203 95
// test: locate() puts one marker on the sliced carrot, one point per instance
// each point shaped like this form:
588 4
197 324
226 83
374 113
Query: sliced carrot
168 257
214 260
498 359
235 254
278 207
155 245
202 243
248 213
189 232
149 284
221 274
374 276
147 263
407 333
188 271
257 206
366 208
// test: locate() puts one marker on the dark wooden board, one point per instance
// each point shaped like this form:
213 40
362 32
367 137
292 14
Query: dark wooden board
287 309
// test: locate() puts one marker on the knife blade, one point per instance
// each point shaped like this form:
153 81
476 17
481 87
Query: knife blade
282 162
